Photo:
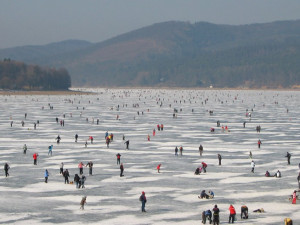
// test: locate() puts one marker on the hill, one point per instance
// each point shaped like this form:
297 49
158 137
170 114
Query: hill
182 54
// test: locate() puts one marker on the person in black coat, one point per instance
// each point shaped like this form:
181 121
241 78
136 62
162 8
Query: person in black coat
121 170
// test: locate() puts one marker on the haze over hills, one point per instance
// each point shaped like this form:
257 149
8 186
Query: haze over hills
179 54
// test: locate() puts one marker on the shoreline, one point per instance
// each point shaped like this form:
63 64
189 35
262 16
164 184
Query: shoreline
84 92
70 92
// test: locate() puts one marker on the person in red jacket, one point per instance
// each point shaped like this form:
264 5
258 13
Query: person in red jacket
35 155
232 213
158 167
204 166
259 143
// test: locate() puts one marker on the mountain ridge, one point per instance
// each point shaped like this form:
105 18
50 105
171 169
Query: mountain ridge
182 54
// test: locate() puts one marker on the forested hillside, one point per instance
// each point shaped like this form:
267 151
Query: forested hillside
181 54
19 76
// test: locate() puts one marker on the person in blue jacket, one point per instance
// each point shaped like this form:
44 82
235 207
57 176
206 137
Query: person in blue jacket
46 176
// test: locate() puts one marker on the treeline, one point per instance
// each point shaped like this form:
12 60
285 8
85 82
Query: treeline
19 76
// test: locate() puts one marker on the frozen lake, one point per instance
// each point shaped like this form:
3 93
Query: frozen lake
171 194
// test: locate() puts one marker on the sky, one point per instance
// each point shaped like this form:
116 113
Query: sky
39 22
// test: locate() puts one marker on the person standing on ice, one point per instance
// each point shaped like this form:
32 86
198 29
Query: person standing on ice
61 168
220 159
298 179
181 150
66 176
90 165
201 150
35 156
158 168
118 158
58 139
76 137
259 143
143 199
83 202
288 155
24 149
231 214
153 132
6 168
46 176
50 150
121 170
216 216
80 166
127 144
176 151
252 166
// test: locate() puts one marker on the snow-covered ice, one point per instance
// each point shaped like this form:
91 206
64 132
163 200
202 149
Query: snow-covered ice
172 195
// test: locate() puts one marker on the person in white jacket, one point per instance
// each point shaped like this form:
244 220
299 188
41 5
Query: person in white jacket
252 166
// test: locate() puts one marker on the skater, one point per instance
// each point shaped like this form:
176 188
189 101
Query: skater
107 141
92 139
220 159
118 158
288 155
143 199
77 180
61 168
252 166
6 168
80 166
158 168
231 214
46 176
24 149
148 137
81 181
244 211
294 196
181 150
250 155
85 145
121 170
176 151
66 176
259 143
244 124
127 144
58 139
153 133
216 217
50 149
298 179
204 166
35 156
90 164
76 137
82 203
200 150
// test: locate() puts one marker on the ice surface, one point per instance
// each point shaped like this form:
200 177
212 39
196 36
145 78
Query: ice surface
171 194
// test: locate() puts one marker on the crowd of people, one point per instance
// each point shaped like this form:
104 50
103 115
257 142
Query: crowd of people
213 216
